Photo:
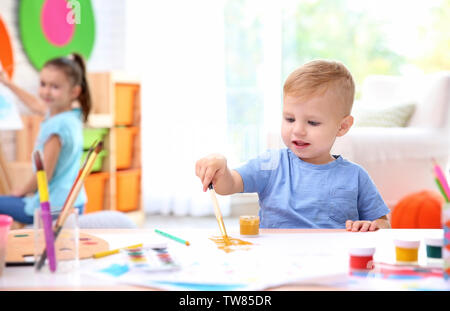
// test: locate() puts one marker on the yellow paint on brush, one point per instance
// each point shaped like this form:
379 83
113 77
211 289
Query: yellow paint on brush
406 254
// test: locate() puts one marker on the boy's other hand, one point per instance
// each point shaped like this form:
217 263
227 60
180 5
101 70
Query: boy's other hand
210 168
365 225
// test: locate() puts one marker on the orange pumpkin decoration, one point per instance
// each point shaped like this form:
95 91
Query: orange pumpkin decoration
418 210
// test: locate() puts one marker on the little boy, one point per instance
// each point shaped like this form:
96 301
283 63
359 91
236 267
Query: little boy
304 186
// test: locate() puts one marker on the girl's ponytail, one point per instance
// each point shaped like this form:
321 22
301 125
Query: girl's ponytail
85 96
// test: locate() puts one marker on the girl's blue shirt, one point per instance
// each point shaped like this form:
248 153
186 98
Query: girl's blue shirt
69 128
297 194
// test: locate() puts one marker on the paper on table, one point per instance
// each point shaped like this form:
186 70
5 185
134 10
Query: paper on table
272 260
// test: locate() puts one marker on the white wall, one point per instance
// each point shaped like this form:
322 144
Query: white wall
176 47
109 51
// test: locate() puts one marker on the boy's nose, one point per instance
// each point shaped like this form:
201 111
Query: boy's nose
299 129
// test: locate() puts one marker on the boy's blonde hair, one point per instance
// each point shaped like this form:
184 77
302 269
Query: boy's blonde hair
316 77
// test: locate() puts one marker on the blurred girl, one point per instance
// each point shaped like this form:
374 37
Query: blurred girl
65 102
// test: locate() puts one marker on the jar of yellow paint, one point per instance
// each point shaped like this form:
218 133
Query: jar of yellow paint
249 225
406 251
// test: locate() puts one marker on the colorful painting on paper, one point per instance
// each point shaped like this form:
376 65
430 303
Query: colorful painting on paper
9 115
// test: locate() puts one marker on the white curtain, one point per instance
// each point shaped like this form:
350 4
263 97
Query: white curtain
178 48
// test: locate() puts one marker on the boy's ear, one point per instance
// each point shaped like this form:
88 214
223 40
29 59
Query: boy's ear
76 91
345 126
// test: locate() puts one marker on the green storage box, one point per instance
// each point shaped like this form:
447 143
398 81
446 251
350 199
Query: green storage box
90 135
98 161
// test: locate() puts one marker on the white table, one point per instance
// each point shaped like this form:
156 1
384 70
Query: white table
321 246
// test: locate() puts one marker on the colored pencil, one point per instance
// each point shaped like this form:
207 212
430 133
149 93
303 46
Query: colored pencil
172 237
70 200
114 251
45 210
440 175
441 189
140 245
218 213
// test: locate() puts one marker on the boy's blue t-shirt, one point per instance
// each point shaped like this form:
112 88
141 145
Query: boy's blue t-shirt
297 194
69 128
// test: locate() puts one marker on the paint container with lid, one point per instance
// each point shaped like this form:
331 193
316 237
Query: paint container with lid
5 224
361 259
249 226
446 245
434 247
406 251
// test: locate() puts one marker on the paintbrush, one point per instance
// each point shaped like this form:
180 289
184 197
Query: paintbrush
76 183
218 213
68 205
77 186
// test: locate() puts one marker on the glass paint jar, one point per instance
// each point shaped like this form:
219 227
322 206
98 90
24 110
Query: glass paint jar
249 225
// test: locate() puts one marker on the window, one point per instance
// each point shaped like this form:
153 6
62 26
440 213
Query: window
243 61
266 40
370 37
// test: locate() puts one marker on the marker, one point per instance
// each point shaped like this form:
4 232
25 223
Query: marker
443 181
114 251
45 211
172 237
73 194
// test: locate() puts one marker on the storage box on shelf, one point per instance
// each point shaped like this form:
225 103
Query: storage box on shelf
128 189
117 107
92 135
125 139
95 190
98 163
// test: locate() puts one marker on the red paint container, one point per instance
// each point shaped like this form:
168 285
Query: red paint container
361 258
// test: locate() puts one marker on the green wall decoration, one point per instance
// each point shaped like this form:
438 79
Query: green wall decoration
55 28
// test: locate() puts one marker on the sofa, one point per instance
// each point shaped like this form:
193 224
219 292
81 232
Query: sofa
398 156
397 151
